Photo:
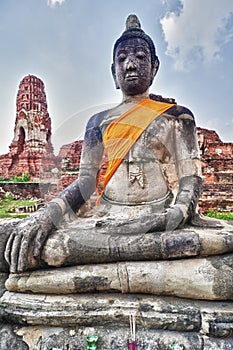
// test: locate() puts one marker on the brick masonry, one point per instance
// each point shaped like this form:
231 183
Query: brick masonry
31 150
217 170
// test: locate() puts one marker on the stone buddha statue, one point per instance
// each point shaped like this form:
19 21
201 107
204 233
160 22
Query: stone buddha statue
149 194
144 245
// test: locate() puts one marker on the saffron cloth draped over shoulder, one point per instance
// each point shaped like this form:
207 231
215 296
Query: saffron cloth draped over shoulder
123 132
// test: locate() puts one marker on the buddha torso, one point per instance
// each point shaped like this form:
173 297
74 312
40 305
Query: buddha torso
147 180
142 178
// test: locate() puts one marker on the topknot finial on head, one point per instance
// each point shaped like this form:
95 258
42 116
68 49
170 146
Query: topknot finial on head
133 30
132 22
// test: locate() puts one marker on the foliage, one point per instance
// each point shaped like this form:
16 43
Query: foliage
16 179
219 215
175 346
2 179
24 178
8 196
9 205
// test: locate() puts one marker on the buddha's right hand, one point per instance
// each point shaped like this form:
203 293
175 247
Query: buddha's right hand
141 224
25 243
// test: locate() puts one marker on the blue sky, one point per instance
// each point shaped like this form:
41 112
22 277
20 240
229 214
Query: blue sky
68 44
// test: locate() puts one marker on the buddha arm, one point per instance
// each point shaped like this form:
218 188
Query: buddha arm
81 189
25 242
188 164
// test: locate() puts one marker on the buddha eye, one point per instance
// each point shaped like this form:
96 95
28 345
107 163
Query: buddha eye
121 57
141 55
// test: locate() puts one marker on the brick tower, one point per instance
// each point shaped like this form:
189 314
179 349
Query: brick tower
31 150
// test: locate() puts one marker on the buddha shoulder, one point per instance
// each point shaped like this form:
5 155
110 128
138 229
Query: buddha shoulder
176 111
180 112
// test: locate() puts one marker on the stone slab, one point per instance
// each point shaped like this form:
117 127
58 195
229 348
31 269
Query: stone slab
209 318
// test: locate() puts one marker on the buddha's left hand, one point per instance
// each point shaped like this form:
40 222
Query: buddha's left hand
175 216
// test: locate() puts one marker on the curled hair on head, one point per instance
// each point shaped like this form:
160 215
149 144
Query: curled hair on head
133 30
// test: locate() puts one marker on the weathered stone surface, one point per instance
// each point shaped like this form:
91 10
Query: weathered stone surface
6 227
74 338
217 344
203 278
78 246
110 310
53 321
3 278
9 340
41 338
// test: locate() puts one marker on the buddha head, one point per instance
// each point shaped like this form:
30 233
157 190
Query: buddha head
135 63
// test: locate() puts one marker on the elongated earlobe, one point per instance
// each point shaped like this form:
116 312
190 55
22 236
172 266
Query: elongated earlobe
114 76
154 70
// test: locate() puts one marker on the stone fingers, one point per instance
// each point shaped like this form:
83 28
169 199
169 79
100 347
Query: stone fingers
12 251
25 248
18 248
39 240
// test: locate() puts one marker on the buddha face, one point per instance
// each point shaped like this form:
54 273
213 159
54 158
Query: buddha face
133 71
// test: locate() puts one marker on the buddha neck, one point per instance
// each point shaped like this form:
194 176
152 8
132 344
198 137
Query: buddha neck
134 98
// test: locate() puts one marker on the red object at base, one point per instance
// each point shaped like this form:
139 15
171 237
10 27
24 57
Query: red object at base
132 345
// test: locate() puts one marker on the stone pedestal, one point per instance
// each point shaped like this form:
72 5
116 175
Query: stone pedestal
57 308
63 322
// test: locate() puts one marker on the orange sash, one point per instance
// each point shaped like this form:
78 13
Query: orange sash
123 132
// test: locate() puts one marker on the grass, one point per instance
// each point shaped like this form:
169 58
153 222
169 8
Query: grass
8 206
219 215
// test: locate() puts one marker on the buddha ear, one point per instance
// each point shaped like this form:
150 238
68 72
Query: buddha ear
114 76
154 69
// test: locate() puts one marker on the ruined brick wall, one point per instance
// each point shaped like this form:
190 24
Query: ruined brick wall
69 155
217 170
26 190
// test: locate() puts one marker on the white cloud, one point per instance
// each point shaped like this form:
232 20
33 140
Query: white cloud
54 3
198 31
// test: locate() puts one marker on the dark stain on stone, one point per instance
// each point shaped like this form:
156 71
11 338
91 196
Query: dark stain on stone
91 283
223 277
181 244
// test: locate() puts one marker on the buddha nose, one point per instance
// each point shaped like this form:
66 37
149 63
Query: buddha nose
130 64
